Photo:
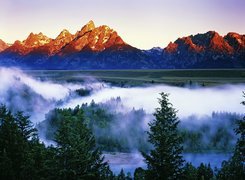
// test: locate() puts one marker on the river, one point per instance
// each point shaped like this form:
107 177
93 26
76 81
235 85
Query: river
130 161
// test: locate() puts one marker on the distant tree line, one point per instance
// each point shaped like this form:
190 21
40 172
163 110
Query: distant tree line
126 131
113 131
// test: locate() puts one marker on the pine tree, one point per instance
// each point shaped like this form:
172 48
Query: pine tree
190 172
77 156
10 143
25 126
204 172
121 175
165 160
21 154
235 167
139 174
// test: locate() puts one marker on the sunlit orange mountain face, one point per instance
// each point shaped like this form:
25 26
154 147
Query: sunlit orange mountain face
102 48
3 45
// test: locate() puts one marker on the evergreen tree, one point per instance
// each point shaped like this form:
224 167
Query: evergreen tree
129 177
121 175
189 172
139 174
77 156
235 167
6 167
25 126
204 172
165 160
21 154
11 144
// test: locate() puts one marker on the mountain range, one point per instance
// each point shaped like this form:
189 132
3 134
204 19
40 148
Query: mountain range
102 48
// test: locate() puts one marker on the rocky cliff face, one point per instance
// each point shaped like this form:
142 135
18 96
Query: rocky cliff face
32 42
206 50
90 38
3 45
210 41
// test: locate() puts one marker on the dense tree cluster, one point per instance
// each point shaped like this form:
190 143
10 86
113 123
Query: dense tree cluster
113 131
126 131
214 133
75 156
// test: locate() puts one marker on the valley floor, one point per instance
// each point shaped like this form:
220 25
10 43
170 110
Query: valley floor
203 77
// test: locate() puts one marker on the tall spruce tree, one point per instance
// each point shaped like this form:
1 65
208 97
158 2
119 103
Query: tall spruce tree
235 167
11 145
17 139
77 156
165 160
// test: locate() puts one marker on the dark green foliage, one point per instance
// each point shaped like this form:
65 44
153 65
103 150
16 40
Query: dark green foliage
113 131
121 175
83 92
22 156
165 160
235 167
6 167
129 177
204 172
25 126
33 166
116 131
189 172
139 174
213 134
124 132
77 156
18 147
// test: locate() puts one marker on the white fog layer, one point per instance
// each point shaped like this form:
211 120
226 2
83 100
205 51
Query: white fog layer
188 101
22 92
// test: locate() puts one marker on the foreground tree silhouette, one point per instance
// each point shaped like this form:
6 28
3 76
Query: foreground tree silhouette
189 172
20 150
77 156
235 167
165 160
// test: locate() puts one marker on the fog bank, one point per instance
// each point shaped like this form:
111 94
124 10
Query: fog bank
188 101
20 91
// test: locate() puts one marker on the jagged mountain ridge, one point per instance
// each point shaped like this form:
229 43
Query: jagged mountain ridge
210 41
3 45
102 48
89 37
207 50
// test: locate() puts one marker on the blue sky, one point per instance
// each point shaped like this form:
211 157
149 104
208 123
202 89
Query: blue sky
141 23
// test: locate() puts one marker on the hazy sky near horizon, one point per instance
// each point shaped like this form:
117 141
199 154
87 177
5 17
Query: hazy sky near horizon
141 23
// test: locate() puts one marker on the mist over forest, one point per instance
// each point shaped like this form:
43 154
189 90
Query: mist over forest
119 116
207 114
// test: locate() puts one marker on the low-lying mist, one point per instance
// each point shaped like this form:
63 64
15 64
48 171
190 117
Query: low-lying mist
21 92
188 101
207 112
